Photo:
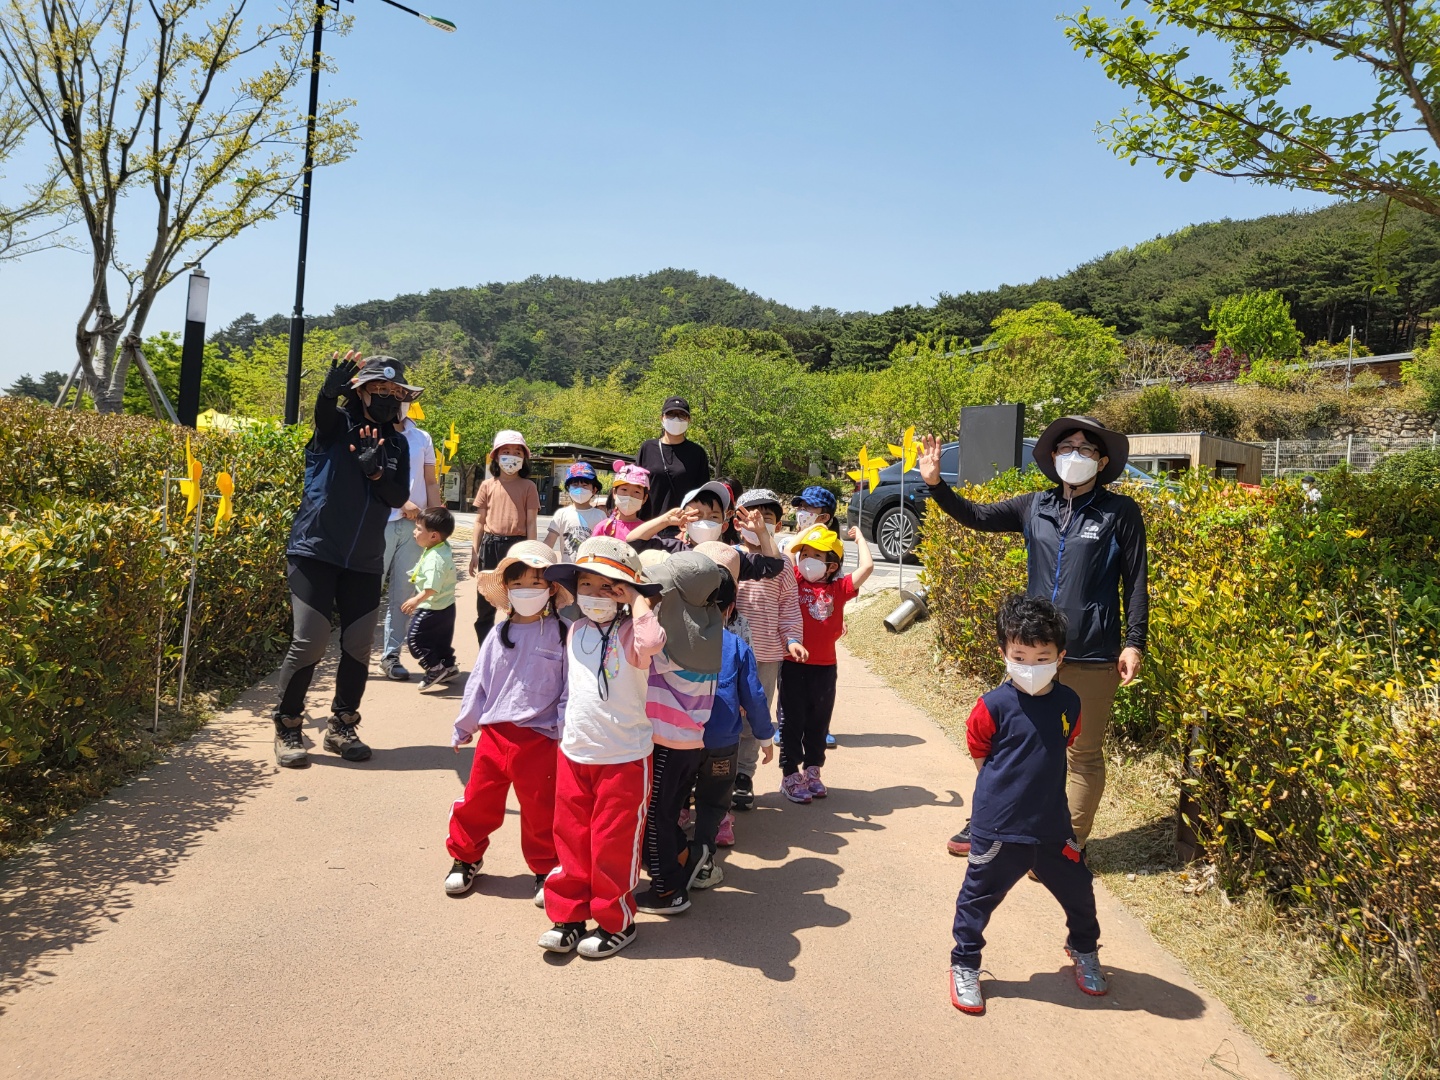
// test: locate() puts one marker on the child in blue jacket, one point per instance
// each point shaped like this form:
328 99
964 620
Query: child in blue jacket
739 688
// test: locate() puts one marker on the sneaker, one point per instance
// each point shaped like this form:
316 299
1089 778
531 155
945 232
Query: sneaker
687 816
562 937
540 890
701 855
959 844
709 876
725 835
340 737
830 742
290 742
1088 975
451 670
812 778
653 903
743 797
796 788
391 668
965 990
432 682
598 944
461 878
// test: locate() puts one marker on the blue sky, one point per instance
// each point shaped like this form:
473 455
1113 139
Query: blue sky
854 155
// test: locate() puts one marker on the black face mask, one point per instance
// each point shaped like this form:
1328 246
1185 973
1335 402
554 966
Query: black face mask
384 409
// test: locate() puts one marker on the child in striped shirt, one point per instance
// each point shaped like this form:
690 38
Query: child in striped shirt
771 606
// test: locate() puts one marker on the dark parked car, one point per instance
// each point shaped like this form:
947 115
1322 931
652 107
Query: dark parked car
893 528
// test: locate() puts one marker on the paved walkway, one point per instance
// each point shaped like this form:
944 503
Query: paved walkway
220 918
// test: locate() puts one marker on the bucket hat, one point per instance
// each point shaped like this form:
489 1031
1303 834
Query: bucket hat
693 624
507 437
1113 445
530 552
386 369
608 557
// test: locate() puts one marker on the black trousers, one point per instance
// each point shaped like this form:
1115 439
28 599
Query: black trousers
993 870
319 590
492 548
432 637
714 784
672 777
807 700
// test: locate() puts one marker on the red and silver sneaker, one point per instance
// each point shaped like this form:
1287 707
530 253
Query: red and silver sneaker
812 779
1088 975
965 990
796 788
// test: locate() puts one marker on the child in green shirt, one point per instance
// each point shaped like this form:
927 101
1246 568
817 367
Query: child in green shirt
432 630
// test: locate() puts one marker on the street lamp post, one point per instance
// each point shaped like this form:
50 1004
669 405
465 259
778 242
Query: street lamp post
297 316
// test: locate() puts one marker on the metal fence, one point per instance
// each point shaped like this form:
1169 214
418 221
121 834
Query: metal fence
1288 457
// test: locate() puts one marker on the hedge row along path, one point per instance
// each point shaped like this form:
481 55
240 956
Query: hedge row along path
219 917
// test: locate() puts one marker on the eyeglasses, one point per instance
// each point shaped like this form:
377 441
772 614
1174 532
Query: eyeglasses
1083 449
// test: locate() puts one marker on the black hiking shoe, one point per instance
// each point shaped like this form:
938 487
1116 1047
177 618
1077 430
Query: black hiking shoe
340 737
290 742
743 797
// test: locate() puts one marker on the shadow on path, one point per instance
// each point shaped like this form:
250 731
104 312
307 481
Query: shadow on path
135 837
870 740
1130 991
821 826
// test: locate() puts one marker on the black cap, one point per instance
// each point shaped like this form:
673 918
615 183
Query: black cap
675 404
387 369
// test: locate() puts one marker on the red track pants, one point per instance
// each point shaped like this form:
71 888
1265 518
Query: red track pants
508 754
599 835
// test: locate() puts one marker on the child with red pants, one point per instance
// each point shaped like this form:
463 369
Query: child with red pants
602 778
515 698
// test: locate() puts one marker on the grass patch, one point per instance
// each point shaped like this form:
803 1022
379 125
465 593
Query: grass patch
1286 987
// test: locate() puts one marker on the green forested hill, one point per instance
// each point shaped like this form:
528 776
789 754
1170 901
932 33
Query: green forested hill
1327 263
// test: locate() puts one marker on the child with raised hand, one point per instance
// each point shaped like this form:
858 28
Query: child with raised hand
431 636
1018 735
702 517
514 697
506 506
771 608
602 781
740 706
628 489
807 687
574 524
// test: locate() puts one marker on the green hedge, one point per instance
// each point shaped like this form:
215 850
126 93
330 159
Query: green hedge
88 566
1294 668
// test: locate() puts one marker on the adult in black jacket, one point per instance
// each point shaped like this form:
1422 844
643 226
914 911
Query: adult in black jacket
677 465
357 469
1085 552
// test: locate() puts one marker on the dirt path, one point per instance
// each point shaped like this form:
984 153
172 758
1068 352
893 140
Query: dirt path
217 917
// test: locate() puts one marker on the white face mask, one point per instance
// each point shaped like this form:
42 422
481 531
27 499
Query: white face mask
675 425
628 504
510 463
702 531
812 569
1075 468
580 495
529 601
599 608
804 519
754 537
1031 678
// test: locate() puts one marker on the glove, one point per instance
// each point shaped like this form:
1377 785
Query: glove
369 450
337 379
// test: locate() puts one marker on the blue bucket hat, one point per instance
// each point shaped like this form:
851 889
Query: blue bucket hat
817 498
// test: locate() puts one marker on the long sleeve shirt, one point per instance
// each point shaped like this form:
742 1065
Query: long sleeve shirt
772 608
739 691
1084 557
523 686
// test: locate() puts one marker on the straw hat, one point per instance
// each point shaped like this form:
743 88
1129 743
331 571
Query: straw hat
530 552
608 557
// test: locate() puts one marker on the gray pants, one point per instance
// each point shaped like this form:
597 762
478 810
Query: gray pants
318 590
749 758
401 555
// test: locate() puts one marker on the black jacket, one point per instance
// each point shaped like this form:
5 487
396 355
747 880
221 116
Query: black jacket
342 512
1084 568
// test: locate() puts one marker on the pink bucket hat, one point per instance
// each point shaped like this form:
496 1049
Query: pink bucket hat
626 473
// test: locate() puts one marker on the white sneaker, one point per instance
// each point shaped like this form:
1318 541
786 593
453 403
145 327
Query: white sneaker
598 944
461 878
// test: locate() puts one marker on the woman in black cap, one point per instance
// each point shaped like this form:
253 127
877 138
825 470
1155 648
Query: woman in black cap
1085 552
357 469
676 464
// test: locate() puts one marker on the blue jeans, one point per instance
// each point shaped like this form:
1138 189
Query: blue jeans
401 555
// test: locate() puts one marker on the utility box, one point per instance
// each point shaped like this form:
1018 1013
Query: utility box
990 441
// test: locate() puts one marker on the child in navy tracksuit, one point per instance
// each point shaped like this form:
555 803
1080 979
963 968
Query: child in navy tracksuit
739 689
1018 734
